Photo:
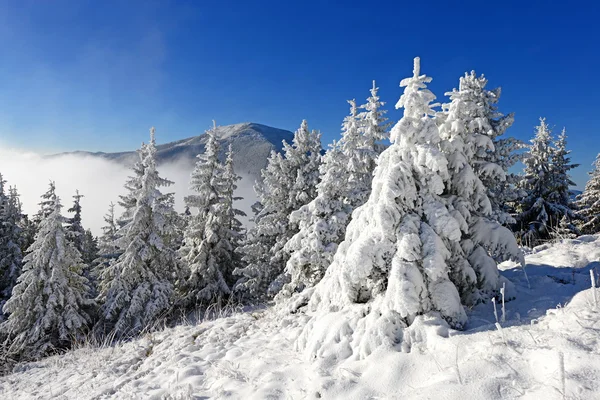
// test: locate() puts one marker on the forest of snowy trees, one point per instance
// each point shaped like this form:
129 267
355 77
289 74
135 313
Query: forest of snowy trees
391 222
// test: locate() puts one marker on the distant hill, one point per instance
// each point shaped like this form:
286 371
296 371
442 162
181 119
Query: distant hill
252 143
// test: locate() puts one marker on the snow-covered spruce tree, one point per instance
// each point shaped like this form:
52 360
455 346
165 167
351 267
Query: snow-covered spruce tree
108 249
233 229
322 222
289 182
136 289
302 161
539 213
11 256
588 202
466 133
128 201
345 183
203 243
46 204
373 127
561 193
493 161
45 309
392 266
75 231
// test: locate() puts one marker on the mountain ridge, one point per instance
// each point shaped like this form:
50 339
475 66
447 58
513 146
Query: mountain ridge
251 142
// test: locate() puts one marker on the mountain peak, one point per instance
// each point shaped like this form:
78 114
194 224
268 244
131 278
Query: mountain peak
272 135
252 144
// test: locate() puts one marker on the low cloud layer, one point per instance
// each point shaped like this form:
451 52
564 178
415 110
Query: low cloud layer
100 181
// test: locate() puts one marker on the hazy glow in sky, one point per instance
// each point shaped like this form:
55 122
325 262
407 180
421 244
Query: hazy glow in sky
99 180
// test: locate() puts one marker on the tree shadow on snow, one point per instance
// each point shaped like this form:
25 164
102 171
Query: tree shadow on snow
551 287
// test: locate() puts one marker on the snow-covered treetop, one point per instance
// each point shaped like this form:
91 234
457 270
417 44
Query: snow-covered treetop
416 101
375 126
537 164
47 203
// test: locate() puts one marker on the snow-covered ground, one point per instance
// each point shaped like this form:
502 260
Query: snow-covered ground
255 355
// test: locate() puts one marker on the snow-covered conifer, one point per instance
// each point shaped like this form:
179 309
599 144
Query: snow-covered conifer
256 274
128 201
493 161
561 193
322 222
540 210
373 127
345 183
233 229
75 231
108 249
136 289
392 266
289 182
107 246
467 132
46 204
45 309
588 202
11 256
203 247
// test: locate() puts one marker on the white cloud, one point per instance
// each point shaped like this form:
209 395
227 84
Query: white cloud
99 180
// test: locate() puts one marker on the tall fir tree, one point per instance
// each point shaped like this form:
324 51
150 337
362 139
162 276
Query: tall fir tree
467 135
11 256
256 273
203 247
541 210
75 231
393 266
46 204
561 193
30 226
136 289
588 202
233 228
128 201
45 310
108 248
345 183
373 127
493 162
289 182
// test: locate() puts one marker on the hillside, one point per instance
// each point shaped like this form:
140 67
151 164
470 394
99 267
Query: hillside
252 143
548 348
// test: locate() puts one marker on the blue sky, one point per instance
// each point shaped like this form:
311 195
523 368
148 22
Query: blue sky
96 75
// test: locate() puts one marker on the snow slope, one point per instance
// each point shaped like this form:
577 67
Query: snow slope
255 354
